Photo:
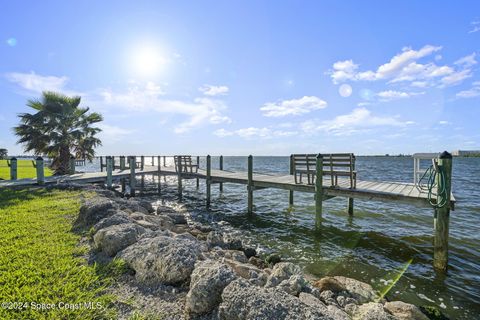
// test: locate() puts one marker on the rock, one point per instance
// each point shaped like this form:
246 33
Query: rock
326 295
94 210
249 252
293 285
215 239
273 259
146 204
148 225
243 301
177 218
132 205
162 210
330 311
114 238
232 242
162 259
337 313
208 280
229 254
341 301
350 308
404 311
363 292
349 300
372 311
118 218
282 271
247 271
257 262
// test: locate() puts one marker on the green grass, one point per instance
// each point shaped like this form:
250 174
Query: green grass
41 260
25 169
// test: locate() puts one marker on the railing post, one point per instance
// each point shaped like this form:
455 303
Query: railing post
72 165
109 161
221 168
40 171
101 163
159 174
13 168
318 191
290 193
250 184
442 214
131 162
209 177
122 162
153 161
179 176
198 164
142 162
113 162
164 161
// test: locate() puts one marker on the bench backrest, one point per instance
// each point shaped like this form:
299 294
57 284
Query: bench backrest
184 161
331 162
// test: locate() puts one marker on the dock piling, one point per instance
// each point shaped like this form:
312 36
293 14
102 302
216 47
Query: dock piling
109 161
164 161
179 178
71 163
442 214
290 193
40 171
350 206
159 174
198 166
101 163
13 168
318 191
142 162
131 163
122 163
209 179
250 184
221 168
153 161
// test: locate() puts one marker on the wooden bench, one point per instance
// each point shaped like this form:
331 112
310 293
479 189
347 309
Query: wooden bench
334 165
186 164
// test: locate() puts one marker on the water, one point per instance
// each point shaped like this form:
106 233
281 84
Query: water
373 246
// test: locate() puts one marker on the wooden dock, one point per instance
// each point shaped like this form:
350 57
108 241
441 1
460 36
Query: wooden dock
408 193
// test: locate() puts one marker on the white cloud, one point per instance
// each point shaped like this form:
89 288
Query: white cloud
359 119
404 67
472 92
443 122
392 95
293 107
113 133
475 26
467 61
212 91
37 83
253 132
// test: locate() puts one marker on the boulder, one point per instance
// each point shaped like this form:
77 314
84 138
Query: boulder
94 210
242 301
294 285
257 262
132 205
114 238
282 271
361 291
372 311
162 259
329 283
273 259
177 218
225 241
118 218
248 272
249 252
404 311
208 280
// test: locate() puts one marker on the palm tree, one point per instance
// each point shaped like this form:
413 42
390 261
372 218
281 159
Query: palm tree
3 153
58 128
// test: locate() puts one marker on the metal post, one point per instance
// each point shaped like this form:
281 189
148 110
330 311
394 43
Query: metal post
318 191
221 168
250 184
13 168
209 177
131 162
109 161
72 165
40 171
290 193
198 164
442 214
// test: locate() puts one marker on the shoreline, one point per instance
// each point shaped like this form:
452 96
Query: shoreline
213 254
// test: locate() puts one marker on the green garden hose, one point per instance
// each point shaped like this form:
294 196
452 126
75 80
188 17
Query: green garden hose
431 176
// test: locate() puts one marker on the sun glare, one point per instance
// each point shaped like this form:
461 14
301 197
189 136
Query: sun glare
147 61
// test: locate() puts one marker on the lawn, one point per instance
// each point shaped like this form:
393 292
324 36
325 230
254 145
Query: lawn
25 169
42 264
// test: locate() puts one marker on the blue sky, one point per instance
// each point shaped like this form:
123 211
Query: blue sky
251 77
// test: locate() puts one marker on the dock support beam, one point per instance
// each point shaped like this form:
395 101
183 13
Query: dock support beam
198 166
350 206
250 184
40 172
290 193
442 214
318 191
221 168
131 163
209 179
13 168
109 172
71 163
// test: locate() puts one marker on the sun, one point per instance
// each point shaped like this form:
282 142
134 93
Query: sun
147 61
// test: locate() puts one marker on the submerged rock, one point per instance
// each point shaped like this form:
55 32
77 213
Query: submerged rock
208 280
404 311
242 301
162 259
114 238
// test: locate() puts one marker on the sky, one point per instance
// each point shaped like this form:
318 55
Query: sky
251 77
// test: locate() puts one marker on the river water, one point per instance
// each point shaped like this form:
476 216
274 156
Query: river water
375 246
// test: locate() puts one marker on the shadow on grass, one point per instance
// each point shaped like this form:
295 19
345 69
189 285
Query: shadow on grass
10 196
